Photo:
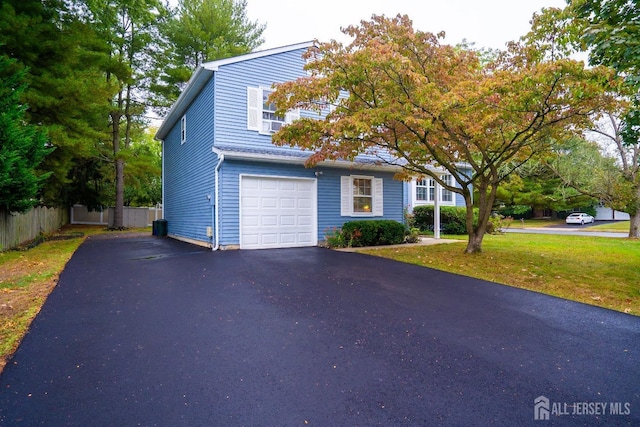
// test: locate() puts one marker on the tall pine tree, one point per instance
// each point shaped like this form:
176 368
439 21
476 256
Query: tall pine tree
67 94
22 146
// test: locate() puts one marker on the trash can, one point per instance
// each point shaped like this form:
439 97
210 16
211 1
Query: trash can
159 227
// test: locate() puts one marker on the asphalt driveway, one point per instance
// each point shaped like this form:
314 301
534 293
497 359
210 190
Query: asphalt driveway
151 331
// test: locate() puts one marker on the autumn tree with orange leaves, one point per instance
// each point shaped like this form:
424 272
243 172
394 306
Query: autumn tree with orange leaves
400 91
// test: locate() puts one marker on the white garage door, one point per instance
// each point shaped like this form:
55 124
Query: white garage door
277 212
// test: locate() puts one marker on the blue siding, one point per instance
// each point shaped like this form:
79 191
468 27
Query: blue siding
189 170
328 194
329 198
231 94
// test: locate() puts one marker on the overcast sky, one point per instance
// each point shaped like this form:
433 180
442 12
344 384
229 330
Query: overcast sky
487 23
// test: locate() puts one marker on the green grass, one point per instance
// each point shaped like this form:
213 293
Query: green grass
13 329
598 271
618 226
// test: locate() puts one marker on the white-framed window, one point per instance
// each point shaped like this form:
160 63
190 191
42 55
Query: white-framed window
446 195
271 122
261 114
426 189
361 196
183 129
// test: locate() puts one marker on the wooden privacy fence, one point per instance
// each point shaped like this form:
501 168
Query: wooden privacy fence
132 217
19 228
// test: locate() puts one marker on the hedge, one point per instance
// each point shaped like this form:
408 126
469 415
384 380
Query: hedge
373 232
453 219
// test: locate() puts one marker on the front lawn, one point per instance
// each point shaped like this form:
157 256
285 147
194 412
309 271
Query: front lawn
616 227
593 270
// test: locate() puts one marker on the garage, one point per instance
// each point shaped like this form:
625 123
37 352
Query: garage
277 212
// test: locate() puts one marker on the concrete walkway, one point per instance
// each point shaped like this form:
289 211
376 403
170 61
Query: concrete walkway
424 241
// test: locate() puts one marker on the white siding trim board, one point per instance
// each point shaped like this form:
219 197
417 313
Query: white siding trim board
294 160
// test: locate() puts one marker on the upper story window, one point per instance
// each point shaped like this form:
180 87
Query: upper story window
361 196
261 114
271 122
183 129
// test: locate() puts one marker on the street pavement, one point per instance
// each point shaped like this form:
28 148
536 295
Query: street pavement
570 230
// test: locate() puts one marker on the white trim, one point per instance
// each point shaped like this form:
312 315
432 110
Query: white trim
279 177
297 178
216 200
277 158
197 81
214 65
438 189
162 179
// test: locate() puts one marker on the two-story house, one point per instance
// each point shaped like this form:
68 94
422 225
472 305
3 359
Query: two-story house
226 185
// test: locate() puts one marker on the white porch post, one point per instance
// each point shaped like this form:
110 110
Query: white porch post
436 211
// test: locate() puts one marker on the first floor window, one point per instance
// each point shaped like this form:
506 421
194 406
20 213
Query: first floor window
422 189
426 189
361 196
447 195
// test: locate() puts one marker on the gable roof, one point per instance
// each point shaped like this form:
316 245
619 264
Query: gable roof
202 75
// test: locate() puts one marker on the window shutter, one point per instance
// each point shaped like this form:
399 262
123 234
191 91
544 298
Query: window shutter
254 108
377 197
346 200
292 115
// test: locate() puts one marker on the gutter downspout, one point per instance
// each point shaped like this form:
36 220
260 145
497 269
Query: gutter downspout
216 197
162 179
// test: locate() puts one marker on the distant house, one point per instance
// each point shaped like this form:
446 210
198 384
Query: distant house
604 213
225 185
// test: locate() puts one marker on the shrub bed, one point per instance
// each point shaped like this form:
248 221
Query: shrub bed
372 233
452 218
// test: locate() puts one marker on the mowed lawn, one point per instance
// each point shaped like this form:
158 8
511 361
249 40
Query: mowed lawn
593 270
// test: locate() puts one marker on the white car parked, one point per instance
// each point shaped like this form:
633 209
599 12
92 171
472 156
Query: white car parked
580 218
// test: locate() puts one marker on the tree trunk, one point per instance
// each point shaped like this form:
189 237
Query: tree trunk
634 223
634 226
119 170
486 197
118 212
474 245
